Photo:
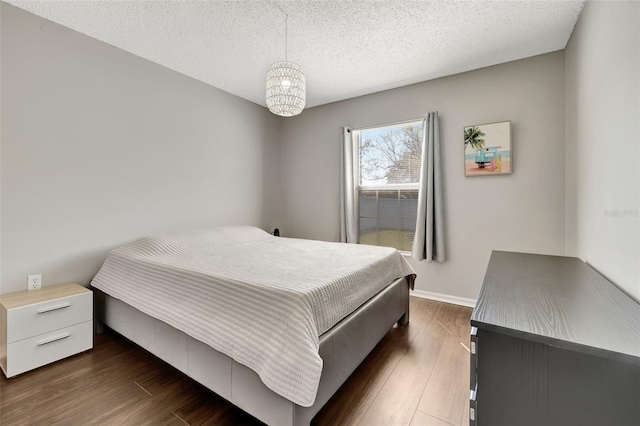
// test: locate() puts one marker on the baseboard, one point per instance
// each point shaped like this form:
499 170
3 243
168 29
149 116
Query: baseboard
462 301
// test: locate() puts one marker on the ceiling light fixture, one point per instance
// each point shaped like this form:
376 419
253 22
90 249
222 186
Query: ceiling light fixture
286 85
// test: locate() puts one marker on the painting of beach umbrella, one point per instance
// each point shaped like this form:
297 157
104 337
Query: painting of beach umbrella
487 149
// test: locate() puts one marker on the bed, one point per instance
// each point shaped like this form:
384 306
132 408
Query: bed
274 325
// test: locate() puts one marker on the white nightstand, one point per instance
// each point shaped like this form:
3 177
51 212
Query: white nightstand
42 326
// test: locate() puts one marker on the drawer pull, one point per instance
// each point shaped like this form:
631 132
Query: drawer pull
53 339
54 308
472 406
474 339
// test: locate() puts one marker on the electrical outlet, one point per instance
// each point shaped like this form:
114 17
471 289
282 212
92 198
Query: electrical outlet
34 282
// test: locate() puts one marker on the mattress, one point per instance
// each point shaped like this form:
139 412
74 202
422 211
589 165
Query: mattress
260 299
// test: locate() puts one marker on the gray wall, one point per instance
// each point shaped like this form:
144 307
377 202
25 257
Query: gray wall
522 212
100 147
603 141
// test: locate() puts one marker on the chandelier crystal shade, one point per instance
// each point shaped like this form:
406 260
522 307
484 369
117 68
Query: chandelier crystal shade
286 89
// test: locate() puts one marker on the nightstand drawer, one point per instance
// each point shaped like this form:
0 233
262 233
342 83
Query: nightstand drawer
33 320
37 351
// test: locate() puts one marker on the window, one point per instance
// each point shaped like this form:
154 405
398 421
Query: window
387 176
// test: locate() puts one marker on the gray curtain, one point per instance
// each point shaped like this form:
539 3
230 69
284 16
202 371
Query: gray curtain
428 243
348 220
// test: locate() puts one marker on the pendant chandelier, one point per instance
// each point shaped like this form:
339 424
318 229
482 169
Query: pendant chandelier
286 85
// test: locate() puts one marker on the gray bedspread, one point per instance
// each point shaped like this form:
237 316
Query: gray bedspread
261 300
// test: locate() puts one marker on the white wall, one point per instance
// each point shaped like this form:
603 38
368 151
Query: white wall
521 212
603 141
100 147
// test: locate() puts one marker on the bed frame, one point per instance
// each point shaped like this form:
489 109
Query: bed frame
342 348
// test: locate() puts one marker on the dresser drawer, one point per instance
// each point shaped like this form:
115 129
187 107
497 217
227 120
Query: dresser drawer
473 370
38 318
473 407
48 347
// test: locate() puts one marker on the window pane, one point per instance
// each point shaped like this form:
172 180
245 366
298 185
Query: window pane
368 231
391 155
388 205
393 221
368 204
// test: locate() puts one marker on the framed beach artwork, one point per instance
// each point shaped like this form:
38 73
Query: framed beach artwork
487 149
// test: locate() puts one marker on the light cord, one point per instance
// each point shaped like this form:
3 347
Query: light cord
286 32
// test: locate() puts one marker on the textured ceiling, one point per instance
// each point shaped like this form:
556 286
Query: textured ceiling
345 48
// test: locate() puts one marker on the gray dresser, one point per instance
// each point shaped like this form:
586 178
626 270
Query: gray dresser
553 343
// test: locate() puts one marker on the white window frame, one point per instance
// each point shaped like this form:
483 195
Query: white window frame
356 171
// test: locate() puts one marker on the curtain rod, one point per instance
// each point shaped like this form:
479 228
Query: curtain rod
384 125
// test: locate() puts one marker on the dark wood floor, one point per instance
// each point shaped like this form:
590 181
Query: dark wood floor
417 375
